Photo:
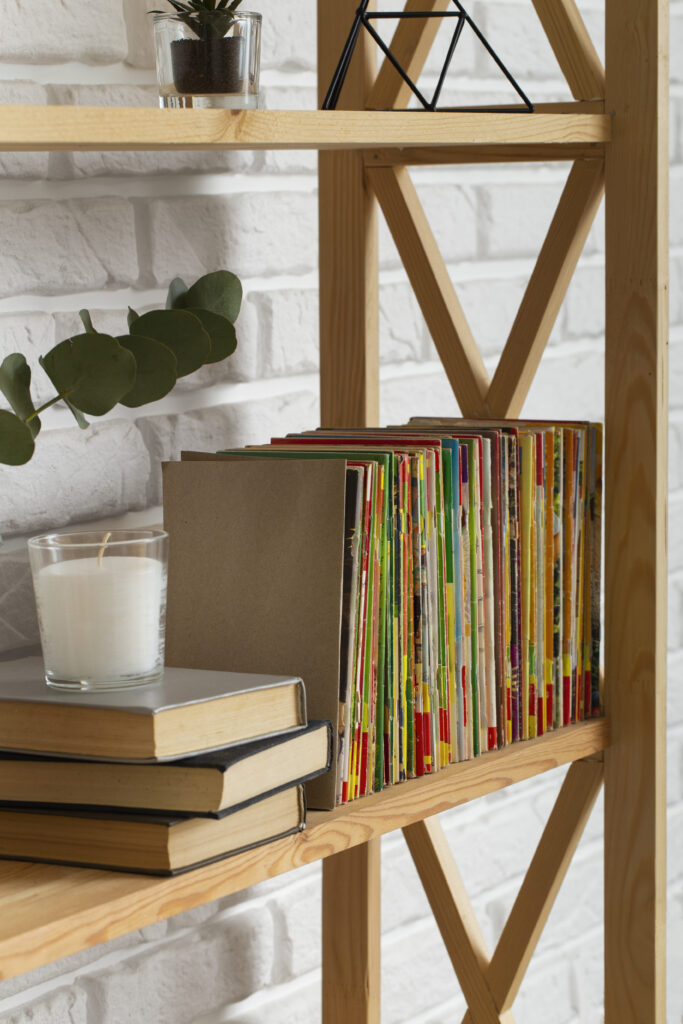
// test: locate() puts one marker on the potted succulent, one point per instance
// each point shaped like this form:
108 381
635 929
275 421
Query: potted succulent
93 372
208 54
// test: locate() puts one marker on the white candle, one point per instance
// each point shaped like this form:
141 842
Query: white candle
101 622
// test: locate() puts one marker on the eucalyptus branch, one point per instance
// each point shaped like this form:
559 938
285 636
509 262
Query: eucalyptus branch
92 372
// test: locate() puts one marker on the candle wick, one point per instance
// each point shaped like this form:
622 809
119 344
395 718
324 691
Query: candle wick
101 554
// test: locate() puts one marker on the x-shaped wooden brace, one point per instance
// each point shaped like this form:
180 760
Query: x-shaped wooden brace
566 237
490 984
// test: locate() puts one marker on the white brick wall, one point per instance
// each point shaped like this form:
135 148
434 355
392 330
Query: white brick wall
105 230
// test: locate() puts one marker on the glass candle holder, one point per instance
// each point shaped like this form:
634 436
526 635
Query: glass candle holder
101 603
215 71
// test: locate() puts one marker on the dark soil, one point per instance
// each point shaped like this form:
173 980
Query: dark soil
208 66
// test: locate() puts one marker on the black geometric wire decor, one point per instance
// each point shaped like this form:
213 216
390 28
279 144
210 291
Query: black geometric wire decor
364 19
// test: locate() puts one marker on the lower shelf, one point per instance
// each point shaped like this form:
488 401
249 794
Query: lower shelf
48 912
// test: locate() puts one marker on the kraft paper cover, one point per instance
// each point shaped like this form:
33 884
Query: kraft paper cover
255 574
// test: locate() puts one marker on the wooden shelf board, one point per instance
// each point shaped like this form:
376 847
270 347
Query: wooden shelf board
26 128
48 912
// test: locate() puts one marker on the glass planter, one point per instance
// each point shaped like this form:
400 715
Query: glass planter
221 71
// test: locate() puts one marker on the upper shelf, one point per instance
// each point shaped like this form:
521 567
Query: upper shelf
48 912
25 128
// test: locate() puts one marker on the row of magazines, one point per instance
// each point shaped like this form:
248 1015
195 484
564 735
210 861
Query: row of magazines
471 589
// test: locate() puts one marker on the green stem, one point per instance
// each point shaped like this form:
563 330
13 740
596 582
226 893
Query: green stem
53 401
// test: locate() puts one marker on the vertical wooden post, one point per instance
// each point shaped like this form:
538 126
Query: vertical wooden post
635 493
351 936
349 262
349 397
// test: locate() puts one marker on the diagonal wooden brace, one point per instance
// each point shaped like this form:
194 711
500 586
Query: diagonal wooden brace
454 915
490 986
432 285
541 883
547 288
573 48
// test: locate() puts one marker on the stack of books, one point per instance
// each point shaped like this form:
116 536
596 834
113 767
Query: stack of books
160 779
464 558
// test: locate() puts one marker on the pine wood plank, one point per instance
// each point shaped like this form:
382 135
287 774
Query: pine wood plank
410 45
416 156
636 178
349 245
541 883
547 288
453 912
572 47
351 936
47 911
54 128
432 286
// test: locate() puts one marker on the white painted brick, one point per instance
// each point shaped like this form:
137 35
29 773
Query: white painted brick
674 768
299 1005
106 321
676 289
250 234
402 329
18 620
491 306
676 209
547 993
51 247
676 44
66 1006
676 374
140 32
589 979
224 426
512 225
676 533
452 211
289 35
180 980
23 165
416 974
86 165
40 33
287 331
32 335
675 620
578 908
75 475
297 914
416 396
675 454
585 303
674 703
674 942
483 863
675 846
403 898
569 387
516 34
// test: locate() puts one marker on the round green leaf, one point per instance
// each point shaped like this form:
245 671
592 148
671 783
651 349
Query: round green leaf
92 371
15 384
220 330
176 291
181 332
157 370
16 440
220 293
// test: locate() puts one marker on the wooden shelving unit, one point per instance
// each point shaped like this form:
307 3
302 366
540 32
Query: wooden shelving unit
46 911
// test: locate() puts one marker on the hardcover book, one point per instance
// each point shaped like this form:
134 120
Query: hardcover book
210 784
186 712
150 844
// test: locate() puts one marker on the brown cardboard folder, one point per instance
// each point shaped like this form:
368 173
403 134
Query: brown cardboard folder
255 574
